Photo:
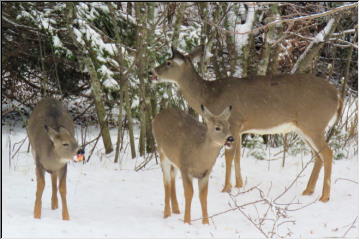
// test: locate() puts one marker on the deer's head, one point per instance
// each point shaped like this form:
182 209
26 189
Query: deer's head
174 68
64 143
218 126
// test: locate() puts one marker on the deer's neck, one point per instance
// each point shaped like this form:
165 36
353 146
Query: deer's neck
209 149
194 89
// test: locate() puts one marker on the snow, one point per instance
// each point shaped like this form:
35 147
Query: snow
111 83
112 200
57 42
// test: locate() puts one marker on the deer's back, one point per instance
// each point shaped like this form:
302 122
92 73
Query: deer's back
267 101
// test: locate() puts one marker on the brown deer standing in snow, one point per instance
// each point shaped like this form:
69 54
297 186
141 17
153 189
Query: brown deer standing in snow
186 144
301 103
51 134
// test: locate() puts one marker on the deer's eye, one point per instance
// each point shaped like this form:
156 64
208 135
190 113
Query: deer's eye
168 63
65 144
217 129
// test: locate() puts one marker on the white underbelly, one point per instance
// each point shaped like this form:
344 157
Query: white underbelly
282 128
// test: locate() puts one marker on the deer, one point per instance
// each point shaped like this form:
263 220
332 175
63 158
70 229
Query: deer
187 145
300 103
51 131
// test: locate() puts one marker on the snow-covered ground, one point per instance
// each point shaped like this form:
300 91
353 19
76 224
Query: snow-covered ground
113 200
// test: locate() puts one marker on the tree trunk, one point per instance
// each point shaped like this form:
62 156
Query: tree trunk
119 133
242 36
179 18
276 33
94 83
141 60
99 105
269 57
129 119
150 142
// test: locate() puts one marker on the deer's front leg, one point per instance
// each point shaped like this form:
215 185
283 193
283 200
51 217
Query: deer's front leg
229 156
40 185
62 189
188 191
54 199
203 192
238 178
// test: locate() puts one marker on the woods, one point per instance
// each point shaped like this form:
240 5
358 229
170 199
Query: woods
97 55
100 59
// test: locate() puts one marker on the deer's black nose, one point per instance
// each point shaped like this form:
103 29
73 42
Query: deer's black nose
81 151
230 139
150 73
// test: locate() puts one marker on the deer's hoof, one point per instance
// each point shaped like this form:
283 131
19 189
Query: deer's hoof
187 222
324 199
307 192
167 213
176 210
227 188
66 217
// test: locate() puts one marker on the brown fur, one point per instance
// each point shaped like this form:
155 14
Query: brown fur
51 134
304 101
184 143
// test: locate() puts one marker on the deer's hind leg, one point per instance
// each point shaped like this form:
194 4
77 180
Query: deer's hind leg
323 157
314 174
174 202
166 170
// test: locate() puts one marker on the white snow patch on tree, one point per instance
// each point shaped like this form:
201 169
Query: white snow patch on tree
320 37
242 33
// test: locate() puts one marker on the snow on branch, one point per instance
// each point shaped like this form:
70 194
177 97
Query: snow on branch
320 37
290 20
311 50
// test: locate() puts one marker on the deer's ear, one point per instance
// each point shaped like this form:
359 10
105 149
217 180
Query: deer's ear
176 54
226 113
205 112
51 132
64 130
196 53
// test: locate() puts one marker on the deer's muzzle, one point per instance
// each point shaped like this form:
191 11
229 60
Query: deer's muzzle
153 76
229 141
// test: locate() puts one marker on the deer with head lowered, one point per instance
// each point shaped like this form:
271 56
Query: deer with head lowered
51 134
186 144
301 103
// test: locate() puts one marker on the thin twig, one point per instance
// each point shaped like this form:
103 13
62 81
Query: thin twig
347 231
346 179
21 143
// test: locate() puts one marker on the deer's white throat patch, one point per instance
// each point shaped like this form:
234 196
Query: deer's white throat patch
161 79
65 160
178 61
